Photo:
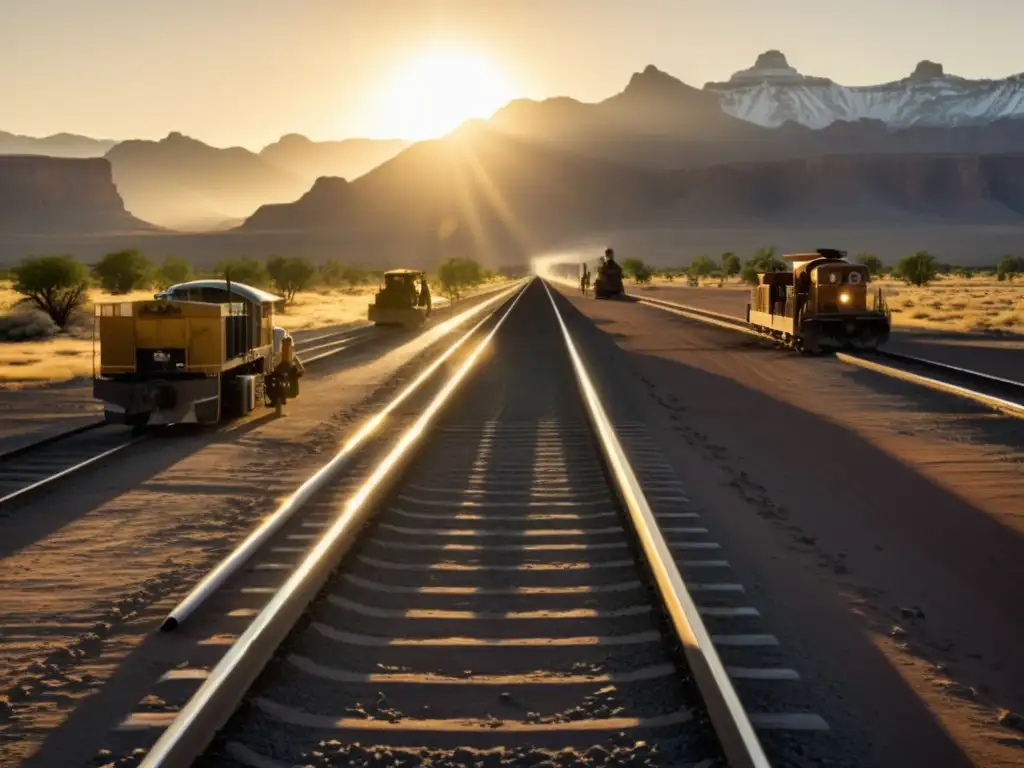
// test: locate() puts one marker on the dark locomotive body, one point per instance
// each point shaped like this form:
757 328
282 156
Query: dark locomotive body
824 302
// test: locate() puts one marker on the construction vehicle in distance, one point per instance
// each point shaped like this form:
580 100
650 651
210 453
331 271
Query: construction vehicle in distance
403 300
608 284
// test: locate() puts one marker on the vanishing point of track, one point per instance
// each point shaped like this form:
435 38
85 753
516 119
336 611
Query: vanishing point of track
504 576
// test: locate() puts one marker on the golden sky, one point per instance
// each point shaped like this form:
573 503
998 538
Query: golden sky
244 72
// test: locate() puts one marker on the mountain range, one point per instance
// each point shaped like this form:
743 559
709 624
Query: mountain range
182 183
481 190
772 92
768 150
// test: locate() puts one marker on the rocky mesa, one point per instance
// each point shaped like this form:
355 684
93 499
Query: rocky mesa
46 195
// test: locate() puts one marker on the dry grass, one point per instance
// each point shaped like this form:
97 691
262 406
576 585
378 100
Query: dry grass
981 304
327 307
71 356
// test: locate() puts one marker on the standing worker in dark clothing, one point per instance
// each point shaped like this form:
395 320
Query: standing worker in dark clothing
424 298
803 292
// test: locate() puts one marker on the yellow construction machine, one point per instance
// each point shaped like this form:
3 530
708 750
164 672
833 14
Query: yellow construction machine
403 300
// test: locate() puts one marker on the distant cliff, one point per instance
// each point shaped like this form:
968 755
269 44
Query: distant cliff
44 195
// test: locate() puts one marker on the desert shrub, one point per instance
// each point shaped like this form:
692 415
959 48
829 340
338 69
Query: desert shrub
123 271
291 275
173 271
244 270
917 269
763 260
56 285
455 275
702 266
872 262
731 265
1009 267
640 271
27 325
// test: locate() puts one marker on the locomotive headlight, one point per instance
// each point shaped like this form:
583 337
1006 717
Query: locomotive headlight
844 298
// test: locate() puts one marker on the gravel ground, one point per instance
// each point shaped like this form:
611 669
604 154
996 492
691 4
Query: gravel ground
878 526
493 614
88 570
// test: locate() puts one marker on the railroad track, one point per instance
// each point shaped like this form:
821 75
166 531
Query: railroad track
34 467
499 585
1001 394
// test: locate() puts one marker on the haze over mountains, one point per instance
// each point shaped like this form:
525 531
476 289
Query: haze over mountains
768 151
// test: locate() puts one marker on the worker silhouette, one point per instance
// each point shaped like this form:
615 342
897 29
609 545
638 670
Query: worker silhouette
424 299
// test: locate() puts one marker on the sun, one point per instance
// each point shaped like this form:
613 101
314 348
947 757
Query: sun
434 92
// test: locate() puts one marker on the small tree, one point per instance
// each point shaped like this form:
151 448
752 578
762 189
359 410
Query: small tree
763 260
638 270
872 262
643 274
730 265
1009 267
123 271
457 274
331 273
173 271
702 266
57 285
964 272
291 275
244 270
917 269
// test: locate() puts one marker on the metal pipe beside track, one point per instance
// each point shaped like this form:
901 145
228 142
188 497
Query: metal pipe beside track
729 718
211 706
234 561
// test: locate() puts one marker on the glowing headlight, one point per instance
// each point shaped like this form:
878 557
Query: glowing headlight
844 297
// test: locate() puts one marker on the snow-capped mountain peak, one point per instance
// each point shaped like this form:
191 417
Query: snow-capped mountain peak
773 92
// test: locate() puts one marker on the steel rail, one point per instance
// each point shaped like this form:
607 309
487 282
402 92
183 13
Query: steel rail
732 323
14 495
688 308
729 718
255 540
992 401
998 381
210 707
998 403
357 335
21 450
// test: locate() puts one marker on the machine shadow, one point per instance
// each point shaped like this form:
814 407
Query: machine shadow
616 372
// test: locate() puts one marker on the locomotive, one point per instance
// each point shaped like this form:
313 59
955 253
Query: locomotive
822 302
198 352
608 284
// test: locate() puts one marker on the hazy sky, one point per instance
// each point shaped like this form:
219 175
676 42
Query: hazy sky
244 72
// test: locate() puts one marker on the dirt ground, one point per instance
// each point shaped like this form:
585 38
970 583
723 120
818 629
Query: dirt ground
881 524
46 388
995 354
87 571
66 357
